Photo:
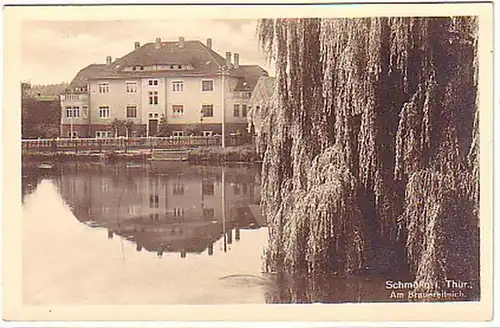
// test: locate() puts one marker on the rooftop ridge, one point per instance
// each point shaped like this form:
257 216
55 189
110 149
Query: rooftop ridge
207 50
205 62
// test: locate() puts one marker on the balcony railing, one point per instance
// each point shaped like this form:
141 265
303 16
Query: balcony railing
74 97
241 95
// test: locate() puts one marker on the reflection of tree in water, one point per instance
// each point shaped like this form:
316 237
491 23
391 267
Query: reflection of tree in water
29 184
325 289
32 175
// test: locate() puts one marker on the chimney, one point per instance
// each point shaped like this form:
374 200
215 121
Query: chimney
158 43
181 42
137 45
236 60
108 60
209 43
228 59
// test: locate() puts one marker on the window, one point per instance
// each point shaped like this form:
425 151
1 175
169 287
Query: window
103 134
178 110
76 111
179 66
236 189
153 83
236 110
208 188
153 184
105 186
131 111
207 133
207 110
154 217
153 97
171 66
177 86
178 188
131 209
103 111
131 186
178 133
131 87
179 212
154 201
243 110
142 68
85 111
72 111
73 134
103 87
208 213
207 85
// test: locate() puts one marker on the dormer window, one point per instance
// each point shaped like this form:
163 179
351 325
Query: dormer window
171 66
179 66
134 68
142 68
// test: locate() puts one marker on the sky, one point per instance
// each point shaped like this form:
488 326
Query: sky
54 51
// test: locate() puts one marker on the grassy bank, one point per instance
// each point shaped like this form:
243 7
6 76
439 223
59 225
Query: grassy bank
245 154
85 156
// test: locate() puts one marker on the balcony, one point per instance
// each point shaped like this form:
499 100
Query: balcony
70 97
241 95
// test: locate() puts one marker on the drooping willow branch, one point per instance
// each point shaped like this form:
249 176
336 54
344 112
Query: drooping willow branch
368 116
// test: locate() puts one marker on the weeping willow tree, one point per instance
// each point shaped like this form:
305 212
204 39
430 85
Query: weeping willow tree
371 138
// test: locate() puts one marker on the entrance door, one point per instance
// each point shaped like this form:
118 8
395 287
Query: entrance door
153 128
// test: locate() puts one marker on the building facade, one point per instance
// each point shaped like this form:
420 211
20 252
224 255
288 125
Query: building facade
161 88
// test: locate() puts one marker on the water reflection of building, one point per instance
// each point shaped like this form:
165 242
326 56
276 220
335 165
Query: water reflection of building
176 208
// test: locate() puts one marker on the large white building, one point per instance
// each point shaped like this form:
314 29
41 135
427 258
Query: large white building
186 82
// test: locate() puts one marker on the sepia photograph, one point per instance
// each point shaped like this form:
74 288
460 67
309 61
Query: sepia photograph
251 158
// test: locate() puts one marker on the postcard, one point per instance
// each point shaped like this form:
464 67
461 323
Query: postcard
248 162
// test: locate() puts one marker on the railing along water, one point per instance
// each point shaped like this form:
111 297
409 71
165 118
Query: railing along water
125 144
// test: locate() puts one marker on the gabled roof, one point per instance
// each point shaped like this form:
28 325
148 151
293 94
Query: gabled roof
86 73
249 75
194 53
204 62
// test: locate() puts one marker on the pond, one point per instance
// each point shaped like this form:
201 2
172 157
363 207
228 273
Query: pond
164 233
